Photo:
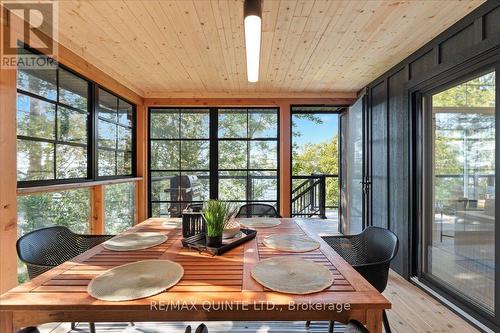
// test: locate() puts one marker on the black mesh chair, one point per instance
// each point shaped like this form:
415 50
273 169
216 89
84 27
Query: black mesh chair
370 253
355 327
44 249
257 210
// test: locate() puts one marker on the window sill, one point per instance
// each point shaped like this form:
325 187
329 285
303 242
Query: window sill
72 186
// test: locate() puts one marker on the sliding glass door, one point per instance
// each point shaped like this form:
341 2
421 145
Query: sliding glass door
196 154
459 193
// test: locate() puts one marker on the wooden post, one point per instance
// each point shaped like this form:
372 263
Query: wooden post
141 188
285 143
8 176
97 203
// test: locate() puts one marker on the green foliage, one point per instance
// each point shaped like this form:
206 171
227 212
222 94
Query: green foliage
217 215
319 158
120 207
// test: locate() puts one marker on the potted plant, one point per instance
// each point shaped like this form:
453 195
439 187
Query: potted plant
217 215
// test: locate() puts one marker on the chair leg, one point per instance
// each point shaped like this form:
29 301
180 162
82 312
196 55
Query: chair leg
73 326
331 327
91 327
308 323
386 322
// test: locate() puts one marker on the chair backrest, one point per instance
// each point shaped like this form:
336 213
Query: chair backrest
48 246
381 244
257 210
195 207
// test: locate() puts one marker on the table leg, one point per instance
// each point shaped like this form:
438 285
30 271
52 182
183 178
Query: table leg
7 322
374 321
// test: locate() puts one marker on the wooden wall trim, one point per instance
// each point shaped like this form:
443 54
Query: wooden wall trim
254 95
98 205
8 178
151 102
142 164
73 186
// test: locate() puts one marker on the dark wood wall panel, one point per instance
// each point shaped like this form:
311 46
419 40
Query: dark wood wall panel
423 64
398 166
492 23
457 43
460 44
379 137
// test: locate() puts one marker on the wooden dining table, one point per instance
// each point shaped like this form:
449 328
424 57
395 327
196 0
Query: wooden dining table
213 288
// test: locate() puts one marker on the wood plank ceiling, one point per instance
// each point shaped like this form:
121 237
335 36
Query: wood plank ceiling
195 48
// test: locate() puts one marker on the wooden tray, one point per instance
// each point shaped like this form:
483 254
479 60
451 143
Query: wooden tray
198 242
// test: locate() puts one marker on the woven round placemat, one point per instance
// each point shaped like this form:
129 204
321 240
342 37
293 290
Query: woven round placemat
135 280
134 241
292 275
291 243
172 223
259 222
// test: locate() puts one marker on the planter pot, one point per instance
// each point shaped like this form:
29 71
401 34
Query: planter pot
214 241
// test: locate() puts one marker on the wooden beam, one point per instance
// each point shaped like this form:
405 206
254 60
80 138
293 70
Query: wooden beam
8 177
285 181
98 204
253 95
151 102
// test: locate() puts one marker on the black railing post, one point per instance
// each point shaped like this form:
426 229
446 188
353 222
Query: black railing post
322 196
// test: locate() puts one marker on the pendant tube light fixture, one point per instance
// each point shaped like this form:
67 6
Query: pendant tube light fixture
252 14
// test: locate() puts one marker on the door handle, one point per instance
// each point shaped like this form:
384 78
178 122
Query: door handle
366 185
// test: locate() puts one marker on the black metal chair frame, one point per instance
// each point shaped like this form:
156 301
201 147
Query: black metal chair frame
371 264
58 253
246 210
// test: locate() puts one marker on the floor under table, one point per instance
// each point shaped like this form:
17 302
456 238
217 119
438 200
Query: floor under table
413 311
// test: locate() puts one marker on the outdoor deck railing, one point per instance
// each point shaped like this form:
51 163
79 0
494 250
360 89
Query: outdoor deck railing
309 197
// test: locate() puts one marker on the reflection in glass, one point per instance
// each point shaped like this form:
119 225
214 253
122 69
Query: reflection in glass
233 185
233 123
165 155
38 82
262 123
35 118
107 134
71 125
195 155
108 105
35 160
125 113
233 154
123 163
263 154
195 124
71 161
264 185
461 251
124 138
106 162
73 91
119 210
165 124
160 185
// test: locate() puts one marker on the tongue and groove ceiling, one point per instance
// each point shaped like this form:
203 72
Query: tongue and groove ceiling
189 48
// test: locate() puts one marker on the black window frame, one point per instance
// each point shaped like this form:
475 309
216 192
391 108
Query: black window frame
214 140
92 137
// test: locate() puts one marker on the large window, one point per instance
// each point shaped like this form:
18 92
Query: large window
202 153
114 133
460 175
56 129
52 125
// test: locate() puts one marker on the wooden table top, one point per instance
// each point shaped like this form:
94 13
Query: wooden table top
207 280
